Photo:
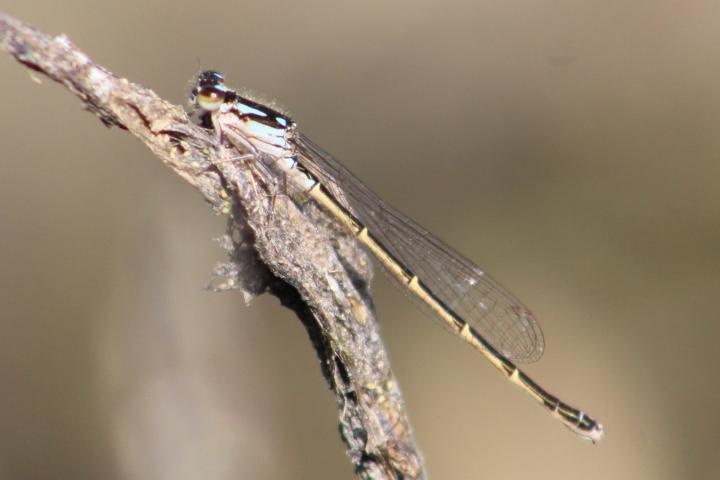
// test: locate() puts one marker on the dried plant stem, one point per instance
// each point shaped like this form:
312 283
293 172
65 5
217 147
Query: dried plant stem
298 256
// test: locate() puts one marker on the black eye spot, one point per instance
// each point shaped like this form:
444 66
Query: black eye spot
210 78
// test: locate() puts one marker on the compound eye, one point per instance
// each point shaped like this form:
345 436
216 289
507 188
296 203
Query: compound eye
210 98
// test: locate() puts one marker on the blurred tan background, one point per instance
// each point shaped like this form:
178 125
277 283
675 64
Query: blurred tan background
571 148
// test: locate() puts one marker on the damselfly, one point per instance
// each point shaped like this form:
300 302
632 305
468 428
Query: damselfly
459 293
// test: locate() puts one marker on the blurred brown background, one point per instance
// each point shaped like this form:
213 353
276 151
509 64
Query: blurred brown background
571 148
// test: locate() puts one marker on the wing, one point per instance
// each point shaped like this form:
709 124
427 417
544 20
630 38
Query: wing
490 309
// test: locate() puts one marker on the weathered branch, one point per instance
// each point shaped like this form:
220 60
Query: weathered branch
274 245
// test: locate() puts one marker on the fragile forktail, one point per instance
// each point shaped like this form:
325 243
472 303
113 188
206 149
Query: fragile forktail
458 293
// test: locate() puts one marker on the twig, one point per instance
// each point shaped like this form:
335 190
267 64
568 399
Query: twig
298 256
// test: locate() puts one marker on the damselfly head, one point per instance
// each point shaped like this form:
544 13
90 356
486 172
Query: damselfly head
209 92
